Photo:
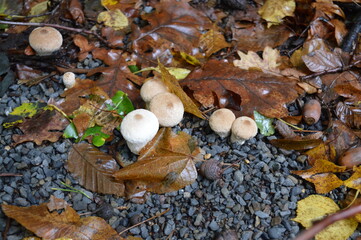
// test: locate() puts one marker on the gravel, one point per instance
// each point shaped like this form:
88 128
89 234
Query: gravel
258 199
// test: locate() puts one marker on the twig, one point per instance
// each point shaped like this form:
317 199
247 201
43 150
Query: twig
289 124
346 213
78 30
10 175
334 70
146 220
349 42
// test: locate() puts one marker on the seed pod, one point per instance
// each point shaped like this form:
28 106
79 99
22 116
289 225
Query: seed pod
312 111
227 235
211 169
351 158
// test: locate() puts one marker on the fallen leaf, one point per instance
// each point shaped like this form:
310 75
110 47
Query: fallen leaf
68 224
46 125
322 175
25 110
84 46
173 25
221 84
355 179
264 124
251 60
349 115
296 143
172 83
322 60
165 164
113 18
94 169
323 151
212 41
273 11
315 207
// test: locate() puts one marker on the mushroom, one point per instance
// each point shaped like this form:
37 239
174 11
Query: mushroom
152 87
243 128
221 121
168 108
69 79
45 40
138 128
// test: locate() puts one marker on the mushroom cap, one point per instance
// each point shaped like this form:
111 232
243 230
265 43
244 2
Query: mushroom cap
152 87
69 79
221 121
243 128
168 108
45 40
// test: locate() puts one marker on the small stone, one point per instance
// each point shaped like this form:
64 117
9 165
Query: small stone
246 235
169 227
186 194
198 220
213 225
225 192
21 202
261 214
238 176
276 232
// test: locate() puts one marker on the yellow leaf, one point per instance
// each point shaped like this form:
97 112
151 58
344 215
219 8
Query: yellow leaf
178 73
171 82
251 60
274 10
316 207
355 180
113 18
212 41
107 3
39 9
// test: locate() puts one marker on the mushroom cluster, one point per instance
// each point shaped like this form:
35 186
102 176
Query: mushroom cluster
166 106
223 122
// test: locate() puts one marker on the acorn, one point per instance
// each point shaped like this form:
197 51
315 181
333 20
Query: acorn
227 235
211 169
312 111
351 158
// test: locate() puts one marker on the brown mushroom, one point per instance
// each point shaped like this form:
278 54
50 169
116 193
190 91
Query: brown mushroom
45 40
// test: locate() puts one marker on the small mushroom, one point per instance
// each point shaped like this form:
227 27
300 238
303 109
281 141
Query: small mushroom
45 40
69 79
138 128
151 88
243 128
168 108
221 121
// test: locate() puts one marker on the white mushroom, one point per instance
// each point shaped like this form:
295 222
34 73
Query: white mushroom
138 128
168 108
152 87
221 121
243 128
45 40
69 79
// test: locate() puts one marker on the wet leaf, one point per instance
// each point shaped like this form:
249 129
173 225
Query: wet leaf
323 151
121 104
322 175
98 137
70 131
9 76
165 164
273 11
94 169
212 41
46 125
355 180
264 124
296 144
322 60
84 46
38 9
223 85
174 25
171 82
178 73
68 224
315 207
113 18
26 110
251 60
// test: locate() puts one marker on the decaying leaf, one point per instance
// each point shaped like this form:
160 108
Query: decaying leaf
165 164
68 224
172 83
26 110
46 125
296 143
84 46
322 175
322 60
355 180
314 208
114 18
174 25
212 41
94 169
221 84
274 10
323 151
251 60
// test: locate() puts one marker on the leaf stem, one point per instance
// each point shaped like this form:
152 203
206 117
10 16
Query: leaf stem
71 190
289 124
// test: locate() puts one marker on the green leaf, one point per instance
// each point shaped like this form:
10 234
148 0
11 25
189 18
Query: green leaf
122 103
264 124
98 136
133 68
70 131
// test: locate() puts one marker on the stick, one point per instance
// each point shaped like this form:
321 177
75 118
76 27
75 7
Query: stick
10 175
343 214
146 220
78 30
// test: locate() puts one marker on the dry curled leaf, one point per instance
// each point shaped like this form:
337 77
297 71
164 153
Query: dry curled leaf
165 164
68 224
94 169
221 84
